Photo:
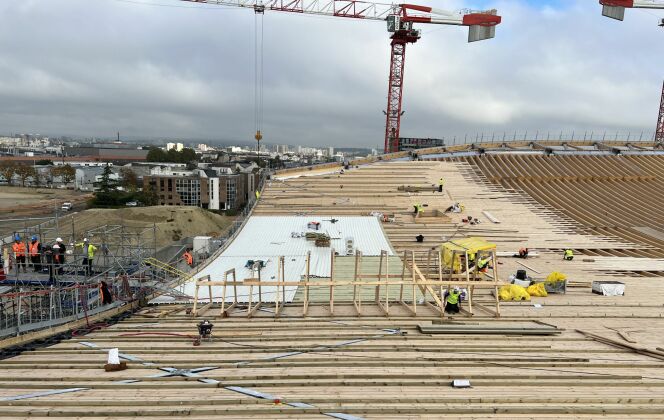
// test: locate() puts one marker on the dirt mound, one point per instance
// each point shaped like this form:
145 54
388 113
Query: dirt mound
172 222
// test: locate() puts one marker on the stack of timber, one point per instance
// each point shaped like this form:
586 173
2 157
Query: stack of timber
373 368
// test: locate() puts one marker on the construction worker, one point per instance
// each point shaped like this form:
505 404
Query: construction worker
59 252
88 254
455 208
258 195
441 183
49 260
523 253
418 208
189 259
105 295
471 259
34 250
483 264
19 253
568 255
3 259
452 301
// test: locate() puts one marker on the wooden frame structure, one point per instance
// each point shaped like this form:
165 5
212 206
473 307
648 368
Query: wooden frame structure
460 250
432 290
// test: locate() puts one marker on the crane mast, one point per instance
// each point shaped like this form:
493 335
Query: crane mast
400 19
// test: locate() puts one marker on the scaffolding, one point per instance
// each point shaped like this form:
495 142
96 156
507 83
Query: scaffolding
45 293
120 249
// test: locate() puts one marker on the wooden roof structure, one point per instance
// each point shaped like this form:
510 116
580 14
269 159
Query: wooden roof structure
576 354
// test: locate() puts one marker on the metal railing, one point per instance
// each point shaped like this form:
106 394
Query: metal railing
25 311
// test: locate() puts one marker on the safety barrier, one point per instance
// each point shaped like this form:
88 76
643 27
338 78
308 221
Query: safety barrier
22 312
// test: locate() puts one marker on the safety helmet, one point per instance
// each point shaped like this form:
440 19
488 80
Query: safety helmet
58 239
17 237
34 237
85 239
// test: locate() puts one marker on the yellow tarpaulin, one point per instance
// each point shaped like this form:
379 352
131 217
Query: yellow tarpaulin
453 250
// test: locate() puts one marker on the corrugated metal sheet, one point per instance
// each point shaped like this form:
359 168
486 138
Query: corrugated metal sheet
269 237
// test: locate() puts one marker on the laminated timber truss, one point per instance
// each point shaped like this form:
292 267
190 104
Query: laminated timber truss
406 289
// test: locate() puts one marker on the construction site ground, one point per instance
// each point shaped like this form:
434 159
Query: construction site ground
607 360
172 222
21 202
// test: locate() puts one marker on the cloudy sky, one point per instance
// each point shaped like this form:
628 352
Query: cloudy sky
169 69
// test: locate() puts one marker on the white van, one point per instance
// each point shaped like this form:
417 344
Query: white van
67 206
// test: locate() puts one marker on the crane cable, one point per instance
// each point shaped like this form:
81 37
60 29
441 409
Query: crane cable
258 76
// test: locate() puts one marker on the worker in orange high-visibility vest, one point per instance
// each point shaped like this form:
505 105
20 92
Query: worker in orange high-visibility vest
189 259
19 253
34 250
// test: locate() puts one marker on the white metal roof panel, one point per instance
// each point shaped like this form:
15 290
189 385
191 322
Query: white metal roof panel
269 237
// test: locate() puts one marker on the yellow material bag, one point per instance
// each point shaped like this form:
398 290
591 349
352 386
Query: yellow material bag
537 289
513 292
555 277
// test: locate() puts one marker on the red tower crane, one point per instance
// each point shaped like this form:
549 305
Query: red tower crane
659 132
615 9
400 19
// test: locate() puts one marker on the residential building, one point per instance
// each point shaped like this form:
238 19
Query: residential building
214 188
177 146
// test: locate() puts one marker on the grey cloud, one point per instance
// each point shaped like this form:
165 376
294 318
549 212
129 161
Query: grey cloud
93 67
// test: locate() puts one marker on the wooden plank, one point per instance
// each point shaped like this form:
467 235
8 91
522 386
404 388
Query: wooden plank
528 267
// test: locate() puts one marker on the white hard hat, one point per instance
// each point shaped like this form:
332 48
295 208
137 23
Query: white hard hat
456 288
58 240
85 239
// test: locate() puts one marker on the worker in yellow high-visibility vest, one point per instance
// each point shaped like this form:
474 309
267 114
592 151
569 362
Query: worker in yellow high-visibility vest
88 254
418 208
441 184
452 301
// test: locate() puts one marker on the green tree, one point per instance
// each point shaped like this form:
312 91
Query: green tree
156 155
106 184
8 170
129 179
187 155
172 156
